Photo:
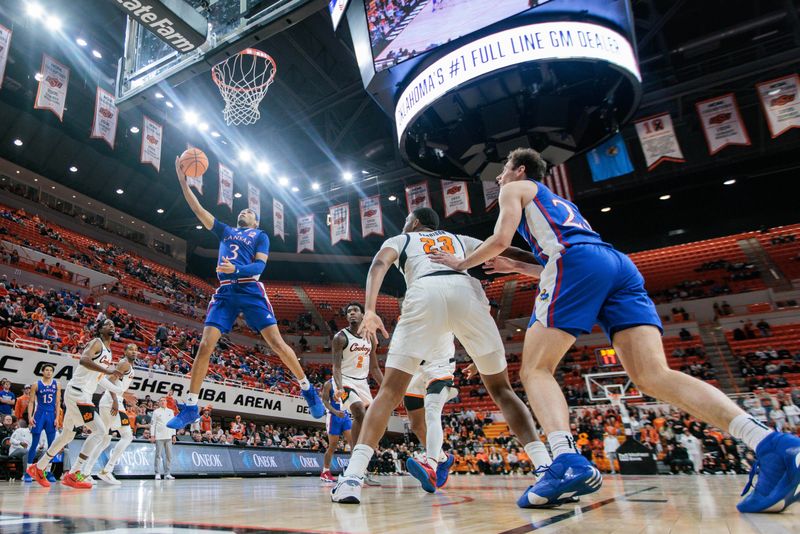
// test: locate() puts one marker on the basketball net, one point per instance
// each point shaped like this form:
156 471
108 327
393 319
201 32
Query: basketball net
243 80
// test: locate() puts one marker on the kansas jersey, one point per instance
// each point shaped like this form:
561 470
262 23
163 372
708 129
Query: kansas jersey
124 383
85 379
413 249
355 356
239 246
551 224
46 397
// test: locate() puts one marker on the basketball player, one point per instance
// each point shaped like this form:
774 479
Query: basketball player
114 416
338 424
94 363
45 399
583 280
439 302
243 253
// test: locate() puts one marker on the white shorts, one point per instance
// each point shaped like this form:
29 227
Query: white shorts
78 409
435 309
113 422
357 391
428 373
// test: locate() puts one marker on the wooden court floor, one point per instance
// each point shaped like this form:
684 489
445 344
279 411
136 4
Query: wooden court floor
485 504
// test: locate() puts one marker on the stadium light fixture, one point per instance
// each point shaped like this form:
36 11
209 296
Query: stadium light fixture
34 10
295 189
606 209
134 129
73 169
53 23
665 197
284 181
729 182
97 54
159 95
215 134
18 142
245 155
237 195
190 117
81 41
199 227
120 191
203 126
262 167
160 210
315 186
170 105
38 77
347 176
392 198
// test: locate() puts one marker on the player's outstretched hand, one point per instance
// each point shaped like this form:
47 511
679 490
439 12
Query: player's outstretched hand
443 258
178 170
370 326
471 371
226 267
500 265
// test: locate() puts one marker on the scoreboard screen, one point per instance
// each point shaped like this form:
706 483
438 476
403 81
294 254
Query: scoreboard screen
607 357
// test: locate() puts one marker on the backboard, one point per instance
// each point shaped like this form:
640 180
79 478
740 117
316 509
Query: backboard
601 386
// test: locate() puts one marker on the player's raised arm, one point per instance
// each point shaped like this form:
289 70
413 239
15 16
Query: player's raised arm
377 272
203 214
339 343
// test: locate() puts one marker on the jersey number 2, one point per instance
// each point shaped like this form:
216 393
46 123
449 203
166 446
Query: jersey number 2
429 245
570 220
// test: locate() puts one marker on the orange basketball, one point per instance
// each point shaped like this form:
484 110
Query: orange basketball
194 162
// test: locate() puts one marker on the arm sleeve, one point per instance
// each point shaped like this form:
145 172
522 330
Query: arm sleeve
108 385
219 229
251 269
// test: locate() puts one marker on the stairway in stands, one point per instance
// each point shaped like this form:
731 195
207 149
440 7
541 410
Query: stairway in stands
507 298
313 310
771 274
493 430
721 358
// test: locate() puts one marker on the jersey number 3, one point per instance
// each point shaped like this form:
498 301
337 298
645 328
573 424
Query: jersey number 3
446 244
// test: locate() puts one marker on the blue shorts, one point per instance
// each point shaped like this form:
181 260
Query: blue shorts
591 284
44 420
338 425
249 298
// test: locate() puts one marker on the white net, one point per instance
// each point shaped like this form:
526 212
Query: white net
243 80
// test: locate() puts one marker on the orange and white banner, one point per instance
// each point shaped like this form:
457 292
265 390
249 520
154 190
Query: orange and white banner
225 186
5 46
456 197
106 115
722 123
417 196
659 143
491 192
780 100
340 223
305 233
254 200
371 216
152 135
277 219
52 93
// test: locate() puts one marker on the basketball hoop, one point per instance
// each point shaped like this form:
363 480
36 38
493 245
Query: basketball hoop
243 80
615 399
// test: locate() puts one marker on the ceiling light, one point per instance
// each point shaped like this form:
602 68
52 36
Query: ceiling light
245 155
348 176
73 169
159 95
199 227
73 196
263 167
97 54
38 76
203 126
190 117
729 182
215 134
134 129
606 209
35 179
52 187
295 189
665 197
365 172
774 92
81 41
237 195
170 105
392 198
315 186
160 210
18 142
35 10
120 191
17 172
284 181
53 23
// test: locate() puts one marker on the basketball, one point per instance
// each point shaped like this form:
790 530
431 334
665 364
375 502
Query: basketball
194 162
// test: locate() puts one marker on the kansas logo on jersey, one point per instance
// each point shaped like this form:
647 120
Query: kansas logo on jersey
544 295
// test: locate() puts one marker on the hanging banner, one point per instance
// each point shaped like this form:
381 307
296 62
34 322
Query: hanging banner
417 196
5 46
52 93
305 233
658 140
722 123
254 200
491 192
152 133
557 181
456 197
277 219
610 159
781 103
371 216
225 186
104 124
340 223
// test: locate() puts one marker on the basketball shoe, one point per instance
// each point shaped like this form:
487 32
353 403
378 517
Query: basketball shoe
186 416
314 404
326 476
422 472
76 480
778 470
570 475
38 476
108 477
443 471
51 477
26 478
347 491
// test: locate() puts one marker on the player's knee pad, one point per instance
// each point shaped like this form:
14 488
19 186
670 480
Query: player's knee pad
491 364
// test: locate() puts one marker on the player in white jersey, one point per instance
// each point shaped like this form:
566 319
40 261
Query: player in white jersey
95 364
440 302
112 412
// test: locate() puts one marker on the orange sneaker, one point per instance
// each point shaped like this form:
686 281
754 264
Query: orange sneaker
38 475
326 476
76 480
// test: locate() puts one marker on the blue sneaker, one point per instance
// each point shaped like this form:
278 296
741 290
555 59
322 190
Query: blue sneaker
778 470
422 472
26 478
51 477
314 404
443 471
187 416
570 475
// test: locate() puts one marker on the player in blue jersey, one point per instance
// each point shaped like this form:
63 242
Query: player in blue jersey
42 414
338 425
583 281
243 253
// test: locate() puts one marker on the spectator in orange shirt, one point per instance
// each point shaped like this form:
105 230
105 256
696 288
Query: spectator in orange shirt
205 420
237 428
172 404
21 406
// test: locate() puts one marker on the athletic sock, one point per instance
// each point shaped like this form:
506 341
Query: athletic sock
305 385
442 457
433 463
560 443
359 460
44 462
538 454
191 399
78 465
751 431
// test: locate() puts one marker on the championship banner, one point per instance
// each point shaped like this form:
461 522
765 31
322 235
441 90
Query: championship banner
371 216
106 114
5 46
658 140
340 223
277 219
305 233
456 197
722 123
152 133
254 200
225 186
52 93
491 192
417 196
557 181
780 102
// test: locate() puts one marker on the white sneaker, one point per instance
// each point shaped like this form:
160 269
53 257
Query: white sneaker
90 480
158 476
109 478
347 491
369 480
169 477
